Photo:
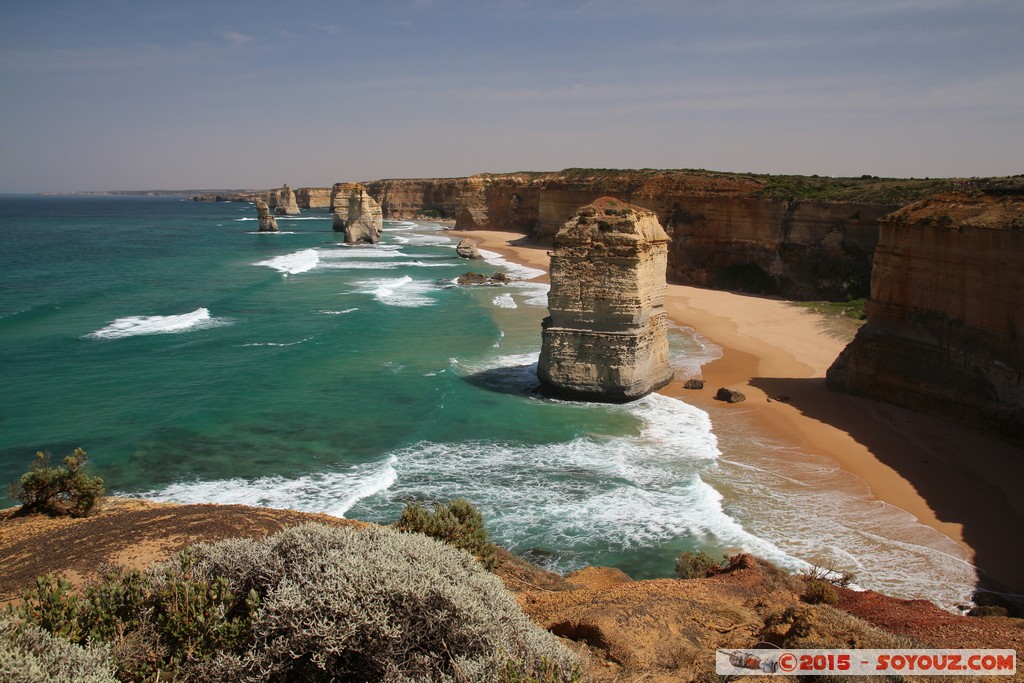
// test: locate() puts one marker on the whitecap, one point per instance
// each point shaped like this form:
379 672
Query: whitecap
504 301
294 343
347 310
332 492
133 326
403 291
294 263
515 270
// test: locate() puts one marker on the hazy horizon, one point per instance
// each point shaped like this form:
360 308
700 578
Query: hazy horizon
108 96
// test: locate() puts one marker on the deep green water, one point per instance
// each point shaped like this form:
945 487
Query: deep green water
198 361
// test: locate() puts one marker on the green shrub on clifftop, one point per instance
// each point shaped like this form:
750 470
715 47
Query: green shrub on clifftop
457 523
66 490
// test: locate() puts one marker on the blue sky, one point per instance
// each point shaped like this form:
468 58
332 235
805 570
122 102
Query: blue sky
132 94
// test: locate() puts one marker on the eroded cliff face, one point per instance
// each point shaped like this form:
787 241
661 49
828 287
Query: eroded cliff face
945 328
721 234
313 197
282 201
607 335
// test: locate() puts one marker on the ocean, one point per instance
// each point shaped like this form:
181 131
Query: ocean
199 361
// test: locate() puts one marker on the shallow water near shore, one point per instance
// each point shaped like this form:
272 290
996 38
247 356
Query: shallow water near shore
198 361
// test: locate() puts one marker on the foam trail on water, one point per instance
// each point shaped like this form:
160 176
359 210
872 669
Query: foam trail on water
294 263
515 270
133 326
333 493
404 292
504 301
347 310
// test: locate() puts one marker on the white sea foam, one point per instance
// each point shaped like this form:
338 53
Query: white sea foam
515 270
347 310
690 350
294 343
504 301
277 232
403 291
133 326
533 293
294 263
333 492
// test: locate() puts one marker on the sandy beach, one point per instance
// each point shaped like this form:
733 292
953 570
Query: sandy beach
957 481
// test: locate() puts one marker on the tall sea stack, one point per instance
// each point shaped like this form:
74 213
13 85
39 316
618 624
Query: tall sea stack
606 338
356 213
267 222
282 201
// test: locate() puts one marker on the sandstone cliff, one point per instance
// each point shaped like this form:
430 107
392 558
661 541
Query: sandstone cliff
313 197
945 328
267 222
356 213
282 201
805 238
607 335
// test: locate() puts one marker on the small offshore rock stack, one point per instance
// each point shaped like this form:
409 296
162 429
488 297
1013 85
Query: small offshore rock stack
606 338
267 222
356 213
282 201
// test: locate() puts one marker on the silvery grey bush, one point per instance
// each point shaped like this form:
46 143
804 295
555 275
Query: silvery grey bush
374 605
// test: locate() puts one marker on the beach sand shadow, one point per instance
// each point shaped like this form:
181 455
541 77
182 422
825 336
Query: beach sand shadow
941 461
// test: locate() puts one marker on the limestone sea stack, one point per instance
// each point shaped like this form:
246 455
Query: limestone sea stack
606 338
282 201
267 222
356 213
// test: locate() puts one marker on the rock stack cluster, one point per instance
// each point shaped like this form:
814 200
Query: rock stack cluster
356 213
282 201
606 338
267 222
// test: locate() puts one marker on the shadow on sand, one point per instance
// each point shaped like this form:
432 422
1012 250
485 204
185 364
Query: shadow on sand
953 491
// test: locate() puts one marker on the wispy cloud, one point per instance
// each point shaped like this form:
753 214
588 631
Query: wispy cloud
234 38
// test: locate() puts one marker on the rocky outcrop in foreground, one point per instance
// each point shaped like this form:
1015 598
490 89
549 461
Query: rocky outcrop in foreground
282 201
267 222
607 336
356 213
625 631
945 324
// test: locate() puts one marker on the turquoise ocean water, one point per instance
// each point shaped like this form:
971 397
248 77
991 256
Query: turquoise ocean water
198 361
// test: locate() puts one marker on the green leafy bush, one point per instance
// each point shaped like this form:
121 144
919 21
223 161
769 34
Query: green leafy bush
66 490
819 592
695 565
457 523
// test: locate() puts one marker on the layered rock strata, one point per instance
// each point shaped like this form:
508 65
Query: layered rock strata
724 234
606 338
282 201
313 197
266 221
945 324
356 213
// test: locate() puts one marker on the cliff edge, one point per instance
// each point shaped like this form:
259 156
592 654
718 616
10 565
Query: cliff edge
945 324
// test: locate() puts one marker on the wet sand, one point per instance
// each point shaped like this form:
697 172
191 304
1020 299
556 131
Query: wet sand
960 482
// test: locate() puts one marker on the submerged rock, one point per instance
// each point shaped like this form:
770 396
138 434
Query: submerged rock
267 222
606 338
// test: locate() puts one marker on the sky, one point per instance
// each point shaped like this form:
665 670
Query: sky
130 95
